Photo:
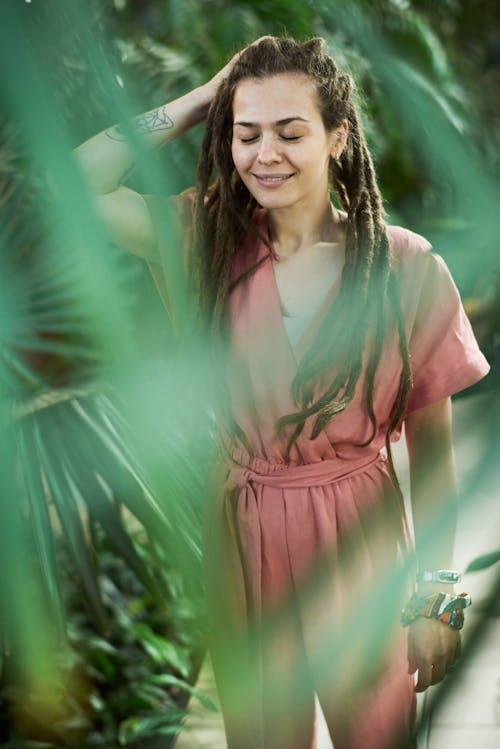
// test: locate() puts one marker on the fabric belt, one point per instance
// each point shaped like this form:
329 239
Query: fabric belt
285 476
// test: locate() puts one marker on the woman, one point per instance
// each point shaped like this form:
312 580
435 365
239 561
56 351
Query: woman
340 329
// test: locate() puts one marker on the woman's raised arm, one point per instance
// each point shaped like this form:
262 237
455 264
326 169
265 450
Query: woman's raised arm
107 157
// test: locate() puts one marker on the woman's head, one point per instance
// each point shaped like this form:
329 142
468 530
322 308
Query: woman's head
280 147
309 70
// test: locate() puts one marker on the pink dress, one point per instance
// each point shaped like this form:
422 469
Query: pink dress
272 521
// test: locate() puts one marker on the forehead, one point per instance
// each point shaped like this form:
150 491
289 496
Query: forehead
267 100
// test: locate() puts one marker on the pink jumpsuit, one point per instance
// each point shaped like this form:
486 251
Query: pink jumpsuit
272 522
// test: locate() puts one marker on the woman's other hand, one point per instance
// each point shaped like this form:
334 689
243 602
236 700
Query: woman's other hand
432 648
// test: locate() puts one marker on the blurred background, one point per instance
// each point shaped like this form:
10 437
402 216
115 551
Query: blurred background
105 435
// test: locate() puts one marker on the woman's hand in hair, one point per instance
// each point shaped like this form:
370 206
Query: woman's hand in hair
223 73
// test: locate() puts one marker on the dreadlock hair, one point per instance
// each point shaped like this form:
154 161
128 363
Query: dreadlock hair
223 213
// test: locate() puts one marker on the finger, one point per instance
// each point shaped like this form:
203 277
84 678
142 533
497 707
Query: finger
424 677
453 661
412 663
451 667
438 671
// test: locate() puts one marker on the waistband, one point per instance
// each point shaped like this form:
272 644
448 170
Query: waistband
285 476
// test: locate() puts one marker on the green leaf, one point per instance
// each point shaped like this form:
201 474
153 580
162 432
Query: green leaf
484 561
170 680
93 471
162 651
97 703
152 694
99 644
134 728
68 503
41 528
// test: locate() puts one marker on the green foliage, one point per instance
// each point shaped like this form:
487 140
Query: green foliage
483 562
102 439
127 684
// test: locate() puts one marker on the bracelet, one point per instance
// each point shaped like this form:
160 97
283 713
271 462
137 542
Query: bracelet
439 576
445 607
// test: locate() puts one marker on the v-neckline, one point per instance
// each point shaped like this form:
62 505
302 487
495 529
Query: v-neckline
298 349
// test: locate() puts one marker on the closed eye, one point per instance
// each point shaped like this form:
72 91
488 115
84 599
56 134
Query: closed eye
283 137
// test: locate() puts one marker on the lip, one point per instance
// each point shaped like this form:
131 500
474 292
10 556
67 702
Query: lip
272 180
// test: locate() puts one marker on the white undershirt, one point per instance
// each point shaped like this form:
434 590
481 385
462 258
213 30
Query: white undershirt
295 326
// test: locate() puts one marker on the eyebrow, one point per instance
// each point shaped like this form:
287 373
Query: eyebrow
285 121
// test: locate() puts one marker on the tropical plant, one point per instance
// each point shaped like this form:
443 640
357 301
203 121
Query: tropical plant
105 433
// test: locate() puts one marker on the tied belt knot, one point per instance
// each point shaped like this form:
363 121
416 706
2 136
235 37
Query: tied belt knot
293 476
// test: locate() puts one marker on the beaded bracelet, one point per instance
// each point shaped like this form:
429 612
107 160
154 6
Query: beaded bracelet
442 606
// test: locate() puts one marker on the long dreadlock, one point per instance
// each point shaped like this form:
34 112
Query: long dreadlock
223 214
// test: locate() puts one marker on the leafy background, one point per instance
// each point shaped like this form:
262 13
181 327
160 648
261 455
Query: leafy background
105 432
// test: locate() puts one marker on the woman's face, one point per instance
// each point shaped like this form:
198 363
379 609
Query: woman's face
280 148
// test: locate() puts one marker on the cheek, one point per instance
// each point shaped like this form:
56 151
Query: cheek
234 152
241 159
236 157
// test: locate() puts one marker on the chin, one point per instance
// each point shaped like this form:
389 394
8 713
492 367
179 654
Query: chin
270 198
273 201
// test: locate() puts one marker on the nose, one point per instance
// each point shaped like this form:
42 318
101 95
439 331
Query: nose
268 151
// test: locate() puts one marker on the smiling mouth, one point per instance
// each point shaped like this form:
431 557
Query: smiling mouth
272 178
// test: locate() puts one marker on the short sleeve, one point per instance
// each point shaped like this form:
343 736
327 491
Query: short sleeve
445 356
172 222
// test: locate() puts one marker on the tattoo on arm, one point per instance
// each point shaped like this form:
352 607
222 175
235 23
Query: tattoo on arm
150 122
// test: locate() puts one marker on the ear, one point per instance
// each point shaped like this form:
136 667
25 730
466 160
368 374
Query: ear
339 139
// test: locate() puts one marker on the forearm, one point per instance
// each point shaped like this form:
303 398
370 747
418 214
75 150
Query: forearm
433 489
107 157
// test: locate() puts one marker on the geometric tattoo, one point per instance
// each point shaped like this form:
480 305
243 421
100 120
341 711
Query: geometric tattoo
150 122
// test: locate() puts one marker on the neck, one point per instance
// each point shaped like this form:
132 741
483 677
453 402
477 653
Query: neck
293 230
